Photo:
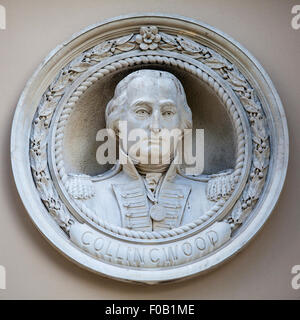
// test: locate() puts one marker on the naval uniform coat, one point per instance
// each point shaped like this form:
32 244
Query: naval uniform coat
122 200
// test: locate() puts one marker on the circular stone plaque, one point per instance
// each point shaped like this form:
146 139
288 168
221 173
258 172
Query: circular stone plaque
103 215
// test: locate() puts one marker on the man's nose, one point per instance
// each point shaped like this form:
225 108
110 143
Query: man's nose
155 124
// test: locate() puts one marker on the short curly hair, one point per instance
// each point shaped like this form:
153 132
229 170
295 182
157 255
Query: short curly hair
117 105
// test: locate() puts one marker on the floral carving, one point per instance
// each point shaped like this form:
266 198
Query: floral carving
148 38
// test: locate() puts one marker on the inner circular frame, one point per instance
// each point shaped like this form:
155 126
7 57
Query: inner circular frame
225 93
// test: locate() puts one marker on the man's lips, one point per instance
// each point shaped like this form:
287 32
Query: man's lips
153 142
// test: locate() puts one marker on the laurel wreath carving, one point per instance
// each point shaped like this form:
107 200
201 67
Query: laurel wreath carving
149 38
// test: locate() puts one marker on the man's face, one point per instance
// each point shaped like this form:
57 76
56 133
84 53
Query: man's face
152 107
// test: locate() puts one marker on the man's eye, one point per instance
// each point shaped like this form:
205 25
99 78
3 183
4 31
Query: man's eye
168 113
142 112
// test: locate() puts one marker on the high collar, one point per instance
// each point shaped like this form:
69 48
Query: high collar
130 169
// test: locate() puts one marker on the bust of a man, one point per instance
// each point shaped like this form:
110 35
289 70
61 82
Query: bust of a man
148 193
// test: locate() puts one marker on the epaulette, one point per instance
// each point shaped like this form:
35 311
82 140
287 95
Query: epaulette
80 186
220 185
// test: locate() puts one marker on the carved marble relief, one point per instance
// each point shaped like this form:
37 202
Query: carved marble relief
149 217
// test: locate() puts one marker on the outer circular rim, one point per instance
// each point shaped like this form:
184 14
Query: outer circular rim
40 217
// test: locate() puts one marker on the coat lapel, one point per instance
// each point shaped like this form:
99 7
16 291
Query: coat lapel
173 198
134 204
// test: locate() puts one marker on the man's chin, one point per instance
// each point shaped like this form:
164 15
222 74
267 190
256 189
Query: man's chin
150 154
152 158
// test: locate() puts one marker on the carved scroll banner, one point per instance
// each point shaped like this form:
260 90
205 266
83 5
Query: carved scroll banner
150 256
127 218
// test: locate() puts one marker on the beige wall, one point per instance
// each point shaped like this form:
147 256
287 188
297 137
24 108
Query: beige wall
263 268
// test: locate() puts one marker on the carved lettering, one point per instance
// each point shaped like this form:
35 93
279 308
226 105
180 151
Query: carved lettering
129 256
213 237
171 255
108 253
98 244
200 243
187 248
139 257
165 255
85 238
153 256
119 257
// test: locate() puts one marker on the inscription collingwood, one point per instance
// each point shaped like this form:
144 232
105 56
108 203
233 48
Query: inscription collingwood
150 256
